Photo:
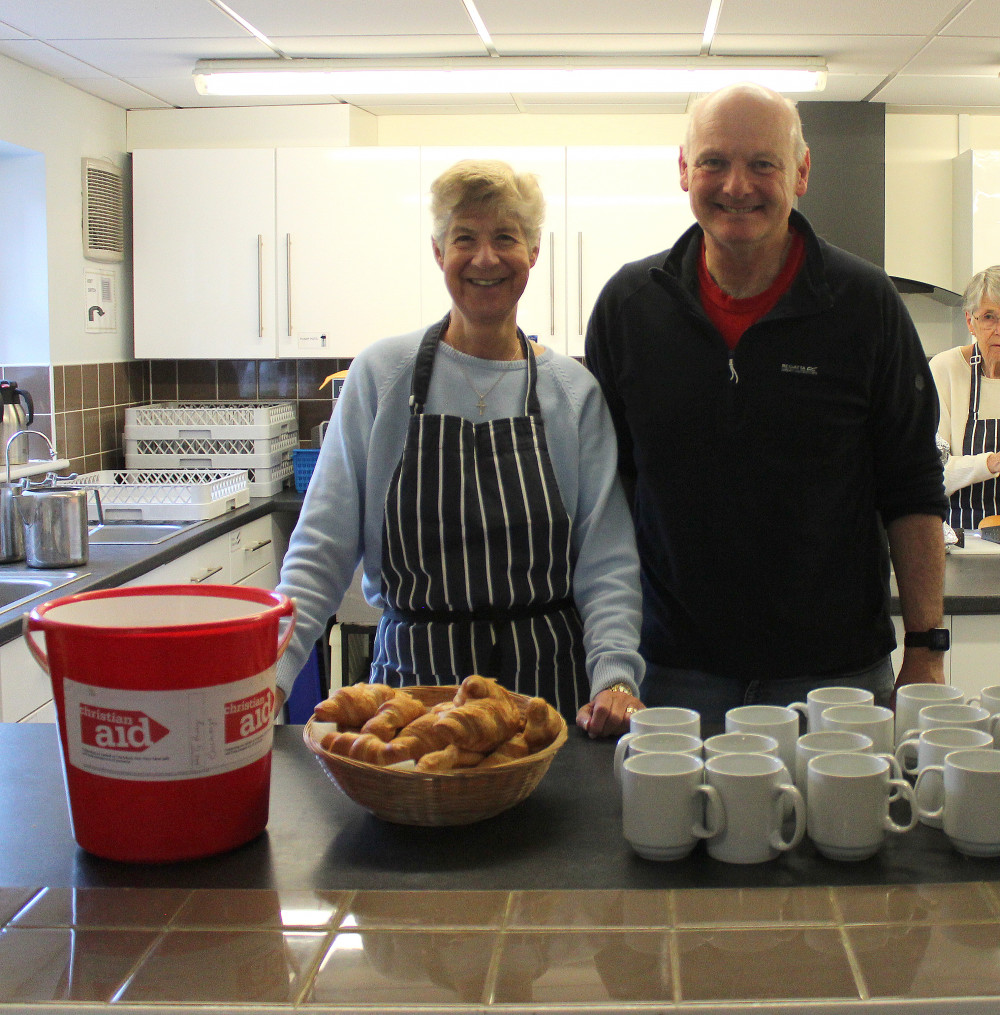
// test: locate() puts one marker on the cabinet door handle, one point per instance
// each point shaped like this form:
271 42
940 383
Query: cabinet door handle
209 572
579 282
288 279
552 284
260 286
259 545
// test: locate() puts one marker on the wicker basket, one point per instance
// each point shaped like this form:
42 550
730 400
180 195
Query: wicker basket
447 798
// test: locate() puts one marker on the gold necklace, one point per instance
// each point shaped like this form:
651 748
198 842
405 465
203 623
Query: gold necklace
482 395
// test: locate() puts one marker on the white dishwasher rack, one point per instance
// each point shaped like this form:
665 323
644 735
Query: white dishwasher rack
166 495
220 420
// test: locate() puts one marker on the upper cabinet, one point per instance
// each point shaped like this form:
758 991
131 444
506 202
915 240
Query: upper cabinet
319 252
243 253
349 248
204 253
975 214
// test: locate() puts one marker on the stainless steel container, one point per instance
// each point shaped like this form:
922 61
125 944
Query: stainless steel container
11 526
55 526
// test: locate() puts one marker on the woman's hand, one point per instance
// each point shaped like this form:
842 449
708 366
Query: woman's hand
608 714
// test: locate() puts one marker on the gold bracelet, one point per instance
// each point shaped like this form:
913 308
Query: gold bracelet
620 688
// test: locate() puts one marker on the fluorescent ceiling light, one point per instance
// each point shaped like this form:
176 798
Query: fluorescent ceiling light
503 75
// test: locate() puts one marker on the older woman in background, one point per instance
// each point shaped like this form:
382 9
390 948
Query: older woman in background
968 385
475 477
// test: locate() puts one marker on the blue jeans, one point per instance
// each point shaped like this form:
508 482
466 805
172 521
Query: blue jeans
712 696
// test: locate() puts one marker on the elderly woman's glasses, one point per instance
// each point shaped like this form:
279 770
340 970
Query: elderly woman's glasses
988 321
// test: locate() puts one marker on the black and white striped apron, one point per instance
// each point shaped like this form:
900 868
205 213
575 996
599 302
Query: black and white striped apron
971 504
476 554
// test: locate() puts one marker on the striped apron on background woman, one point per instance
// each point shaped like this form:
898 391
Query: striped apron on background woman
476 554
971 504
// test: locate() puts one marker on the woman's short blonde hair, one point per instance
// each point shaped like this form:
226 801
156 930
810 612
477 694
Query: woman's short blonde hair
490 185
984 285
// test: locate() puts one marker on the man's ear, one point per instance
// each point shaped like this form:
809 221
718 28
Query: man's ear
683 167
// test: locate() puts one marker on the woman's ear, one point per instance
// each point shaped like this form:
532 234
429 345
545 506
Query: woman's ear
533 256
438 256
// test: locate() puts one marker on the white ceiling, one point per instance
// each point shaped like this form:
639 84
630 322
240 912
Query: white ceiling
139 54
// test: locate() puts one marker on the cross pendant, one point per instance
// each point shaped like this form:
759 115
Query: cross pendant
481 405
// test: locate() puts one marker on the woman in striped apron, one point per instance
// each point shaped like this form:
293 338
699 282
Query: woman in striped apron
475 475
968 383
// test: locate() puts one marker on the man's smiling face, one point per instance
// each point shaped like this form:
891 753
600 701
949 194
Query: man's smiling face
740 170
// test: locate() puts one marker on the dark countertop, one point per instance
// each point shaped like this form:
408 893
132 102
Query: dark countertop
566 835
111 565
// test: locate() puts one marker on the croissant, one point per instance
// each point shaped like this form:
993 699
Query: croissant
353 705
339 743
393 715
416 739
482 724
542 724
370 748
448 758
476 687
509 750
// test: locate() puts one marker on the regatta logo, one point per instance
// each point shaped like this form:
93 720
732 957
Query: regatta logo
119 730
249 715
800 368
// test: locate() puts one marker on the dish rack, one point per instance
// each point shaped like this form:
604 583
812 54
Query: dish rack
257 436
166 495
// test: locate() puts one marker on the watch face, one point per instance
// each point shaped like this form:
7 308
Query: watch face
938 639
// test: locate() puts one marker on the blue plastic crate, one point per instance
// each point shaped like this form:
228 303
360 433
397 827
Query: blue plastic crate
303 462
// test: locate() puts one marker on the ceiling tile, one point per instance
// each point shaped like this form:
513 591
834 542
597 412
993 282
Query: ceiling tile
600 45
160 57
119 93
958 56
846 17
978 19
554 17
350 17
380 45
924 90
117 19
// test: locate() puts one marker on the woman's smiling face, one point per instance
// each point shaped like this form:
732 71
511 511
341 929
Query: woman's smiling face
984 326
485 258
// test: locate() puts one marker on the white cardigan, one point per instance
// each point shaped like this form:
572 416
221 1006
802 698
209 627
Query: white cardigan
953 377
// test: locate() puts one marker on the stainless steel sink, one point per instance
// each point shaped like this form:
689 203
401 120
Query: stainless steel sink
136 533
18 585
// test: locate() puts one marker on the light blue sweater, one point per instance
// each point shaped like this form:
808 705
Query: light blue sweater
340 523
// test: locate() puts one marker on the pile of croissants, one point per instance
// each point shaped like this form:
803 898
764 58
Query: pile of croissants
482 726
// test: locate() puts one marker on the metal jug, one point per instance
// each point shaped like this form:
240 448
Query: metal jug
56 530
13 420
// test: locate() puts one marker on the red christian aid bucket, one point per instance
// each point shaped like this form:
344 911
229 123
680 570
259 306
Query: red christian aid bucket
164 697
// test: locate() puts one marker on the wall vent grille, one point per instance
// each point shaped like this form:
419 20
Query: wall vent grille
103 211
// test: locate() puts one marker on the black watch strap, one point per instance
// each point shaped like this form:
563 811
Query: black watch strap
938 639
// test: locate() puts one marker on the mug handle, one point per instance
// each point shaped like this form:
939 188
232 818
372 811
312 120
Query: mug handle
287 610
27 626
901 752
903 791
706 828
895 772
938 812
620 748
787 790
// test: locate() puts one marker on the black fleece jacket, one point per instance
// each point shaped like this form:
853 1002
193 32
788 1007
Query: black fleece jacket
761 480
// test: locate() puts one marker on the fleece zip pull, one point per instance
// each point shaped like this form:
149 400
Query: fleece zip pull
733 375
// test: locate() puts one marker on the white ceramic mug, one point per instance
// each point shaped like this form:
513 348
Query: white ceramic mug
970 810
931 748
666 719
989 698
739 743
654 743
811 745
747 806
970 717
823 697
663 804
911 698
772 721
874 721
848 810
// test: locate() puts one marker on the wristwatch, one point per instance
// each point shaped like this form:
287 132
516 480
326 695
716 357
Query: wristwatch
937 639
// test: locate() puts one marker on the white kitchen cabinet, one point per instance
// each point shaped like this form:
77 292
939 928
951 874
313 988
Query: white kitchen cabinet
975 214
975 652
25 688
622 204
204 253
349 228
206 564
256 551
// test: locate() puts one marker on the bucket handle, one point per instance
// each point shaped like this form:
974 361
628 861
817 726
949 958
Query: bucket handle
29 624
